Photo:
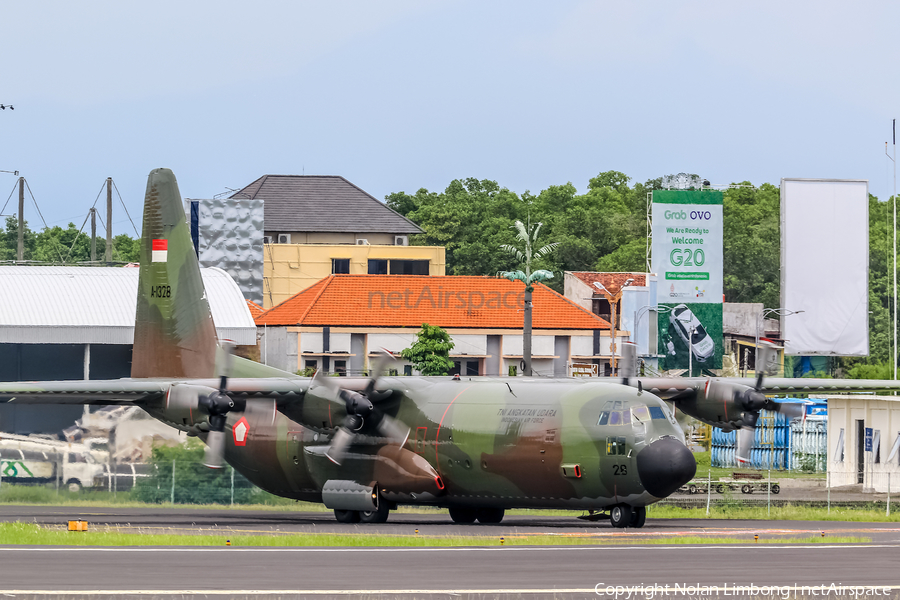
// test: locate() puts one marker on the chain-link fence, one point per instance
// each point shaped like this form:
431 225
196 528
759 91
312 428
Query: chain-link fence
190 482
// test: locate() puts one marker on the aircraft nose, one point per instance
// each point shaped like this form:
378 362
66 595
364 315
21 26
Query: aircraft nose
664 466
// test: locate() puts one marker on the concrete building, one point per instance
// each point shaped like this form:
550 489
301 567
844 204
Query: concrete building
291 268
341 322
59 323
315 226
864 442
630 296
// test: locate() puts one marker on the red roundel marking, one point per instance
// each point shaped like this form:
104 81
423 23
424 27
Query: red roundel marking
241 431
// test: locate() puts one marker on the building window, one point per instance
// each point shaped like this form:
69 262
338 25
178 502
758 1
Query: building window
407 370
311 364
876 445
472 367
340 266
839 449
340 367
456 368
378 266
409 267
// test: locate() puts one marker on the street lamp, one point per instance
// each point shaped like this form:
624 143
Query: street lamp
781 312
637 320
613 300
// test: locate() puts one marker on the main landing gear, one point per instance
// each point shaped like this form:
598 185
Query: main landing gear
379 515
623 515
465 514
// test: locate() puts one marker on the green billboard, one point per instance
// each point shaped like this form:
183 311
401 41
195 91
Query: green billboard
687 260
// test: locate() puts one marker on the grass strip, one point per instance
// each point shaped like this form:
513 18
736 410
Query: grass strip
31 534
789 512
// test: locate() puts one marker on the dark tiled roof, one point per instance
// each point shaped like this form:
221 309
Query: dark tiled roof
323 203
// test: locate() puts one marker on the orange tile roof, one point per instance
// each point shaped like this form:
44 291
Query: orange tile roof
611 281
411 300
255 309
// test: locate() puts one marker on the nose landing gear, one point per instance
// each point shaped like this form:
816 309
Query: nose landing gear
623 515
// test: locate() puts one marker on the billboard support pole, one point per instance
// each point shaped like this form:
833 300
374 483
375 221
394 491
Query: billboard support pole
894 275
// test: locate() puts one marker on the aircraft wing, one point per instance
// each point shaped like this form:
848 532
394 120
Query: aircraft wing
136 391
669 388
115 391
808 386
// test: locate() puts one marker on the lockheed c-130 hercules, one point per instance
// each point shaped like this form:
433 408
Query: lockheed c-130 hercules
474 445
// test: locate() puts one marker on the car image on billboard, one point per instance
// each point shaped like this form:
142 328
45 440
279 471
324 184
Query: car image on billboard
684 322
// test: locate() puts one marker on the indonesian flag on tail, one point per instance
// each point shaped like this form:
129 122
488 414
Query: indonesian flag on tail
160 251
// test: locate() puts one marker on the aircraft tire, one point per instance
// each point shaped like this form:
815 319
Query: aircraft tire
638 516
463 514
380 515
347 516
620 515
747 488
776 488
490 516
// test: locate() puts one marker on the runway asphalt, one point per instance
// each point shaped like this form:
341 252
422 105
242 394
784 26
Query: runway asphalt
479 572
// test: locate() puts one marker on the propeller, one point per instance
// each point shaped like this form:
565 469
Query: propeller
753 400
360 411
217 404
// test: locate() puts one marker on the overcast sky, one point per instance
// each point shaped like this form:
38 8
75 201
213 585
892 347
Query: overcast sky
396 96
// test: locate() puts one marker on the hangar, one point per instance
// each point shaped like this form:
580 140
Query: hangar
61 323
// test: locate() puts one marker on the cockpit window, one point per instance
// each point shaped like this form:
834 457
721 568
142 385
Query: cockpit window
620 417
656 412
640 413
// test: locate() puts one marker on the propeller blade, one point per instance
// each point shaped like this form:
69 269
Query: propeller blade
381 363
792 410
339 444
215 449
331 387
394 430
745 437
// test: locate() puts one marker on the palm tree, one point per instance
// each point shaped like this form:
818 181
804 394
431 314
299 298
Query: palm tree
528 235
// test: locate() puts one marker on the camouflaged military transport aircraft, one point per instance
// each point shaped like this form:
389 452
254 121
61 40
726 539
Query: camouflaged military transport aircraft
477 446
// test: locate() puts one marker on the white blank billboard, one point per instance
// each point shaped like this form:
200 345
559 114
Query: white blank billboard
825 266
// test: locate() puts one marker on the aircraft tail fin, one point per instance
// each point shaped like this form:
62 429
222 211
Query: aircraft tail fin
174 334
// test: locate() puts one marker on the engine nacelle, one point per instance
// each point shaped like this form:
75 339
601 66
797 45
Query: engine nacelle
722 404
181 405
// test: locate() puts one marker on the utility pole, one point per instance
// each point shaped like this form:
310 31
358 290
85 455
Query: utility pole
20 253
109 219
93 234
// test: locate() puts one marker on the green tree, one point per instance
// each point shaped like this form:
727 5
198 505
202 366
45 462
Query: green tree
527 235
752 244
430 353
59 245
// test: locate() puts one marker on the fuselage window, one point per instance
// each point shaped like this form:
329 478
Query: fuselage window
604 418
